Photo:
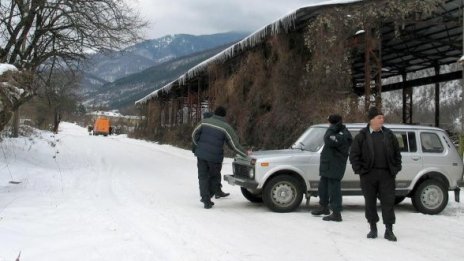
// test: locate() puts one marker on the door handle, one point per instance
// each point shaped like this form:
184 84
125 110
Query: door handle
416 158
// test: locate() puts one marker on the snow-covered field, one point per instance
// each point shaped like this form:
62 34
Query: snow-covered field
83 197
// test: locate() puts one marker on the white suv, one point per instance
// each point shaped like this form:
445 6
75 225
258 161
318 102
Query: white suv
431 167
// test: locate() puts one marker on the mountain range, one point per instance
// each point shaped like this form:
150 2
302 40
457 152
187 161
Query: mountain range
117 79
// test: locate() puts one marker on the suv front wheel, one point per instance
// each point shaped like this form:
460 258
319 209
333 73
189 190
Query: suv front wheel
283 193
430 197
255 198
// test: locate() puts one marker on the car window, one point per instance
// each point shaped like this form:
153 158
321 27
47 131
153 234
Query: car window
402 138
406 141
412 142
431 143
311 140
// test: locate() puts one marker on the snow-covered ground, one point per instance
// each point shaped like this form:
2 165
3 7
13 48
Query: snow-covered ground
83 197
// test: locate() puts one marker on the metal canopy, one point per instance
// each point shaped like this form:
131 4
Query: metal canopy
430 43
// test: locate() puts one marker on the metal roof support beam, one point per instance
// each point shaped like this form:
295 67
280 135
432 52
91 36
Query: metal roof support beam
162 113
423 81
462 79
172 112
437 97
168 105
372 67
189 105
212 95
198 114
407 100
367 69
378 73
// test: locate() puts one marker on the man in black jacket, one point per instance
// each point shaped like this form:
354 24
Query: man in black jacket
219 193
208 145
337 141
375 156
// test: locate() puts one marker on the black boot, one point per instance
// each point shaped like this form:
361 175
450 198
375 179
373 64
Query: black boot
373 232
221 194
322 210
207 203
389 233
335 216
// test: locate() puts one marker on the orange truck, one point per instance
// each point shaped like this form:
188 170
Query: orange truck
101 126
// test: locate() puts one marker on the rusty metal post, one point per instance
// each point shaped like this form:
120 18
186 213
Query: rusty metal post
367 68
437 98
189 105
407 101
378 74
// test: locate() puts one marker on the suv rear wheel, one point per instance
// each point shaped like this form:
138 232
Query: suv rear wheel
255 198
430 197
283 193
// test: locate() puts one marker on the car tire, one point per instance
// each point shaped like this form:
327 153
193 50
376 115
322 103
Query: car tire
283 193
430 197
255 198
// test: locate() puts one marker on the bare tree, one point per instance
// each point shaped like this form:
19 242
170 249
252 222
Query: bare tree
59 95
46 35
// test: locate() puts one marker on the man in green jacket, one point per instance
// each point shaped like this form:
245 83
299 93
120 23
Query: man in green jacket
208 145
337 142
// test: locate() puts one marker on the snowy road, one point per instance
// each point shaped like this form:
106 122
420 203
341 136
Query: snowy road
112 198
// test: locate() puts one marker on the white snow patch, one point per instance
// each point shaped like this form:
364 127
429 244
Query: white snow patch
4 67
85 197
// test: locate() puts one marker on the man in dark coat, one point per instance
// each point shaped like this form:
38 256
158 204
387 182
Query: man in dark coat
337 141
208 142
375 156
219 193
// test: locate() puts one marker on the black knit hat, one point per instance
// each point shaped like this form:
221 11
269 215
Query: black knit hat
220 111
373 112
334 119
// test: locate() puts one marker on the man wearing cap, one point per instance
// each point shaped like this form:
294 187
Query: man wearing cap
208 141
219 193
375 156
337 141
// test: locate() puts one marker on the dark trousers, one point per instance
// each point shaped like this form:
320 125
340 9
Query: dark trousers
209 177
379 182
330 191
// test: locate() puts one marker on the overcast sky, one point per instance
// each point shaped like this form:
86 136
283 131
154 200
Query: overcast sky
212 16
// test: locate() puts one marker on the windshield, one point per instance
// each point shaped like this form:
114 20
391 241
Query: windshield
311 140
